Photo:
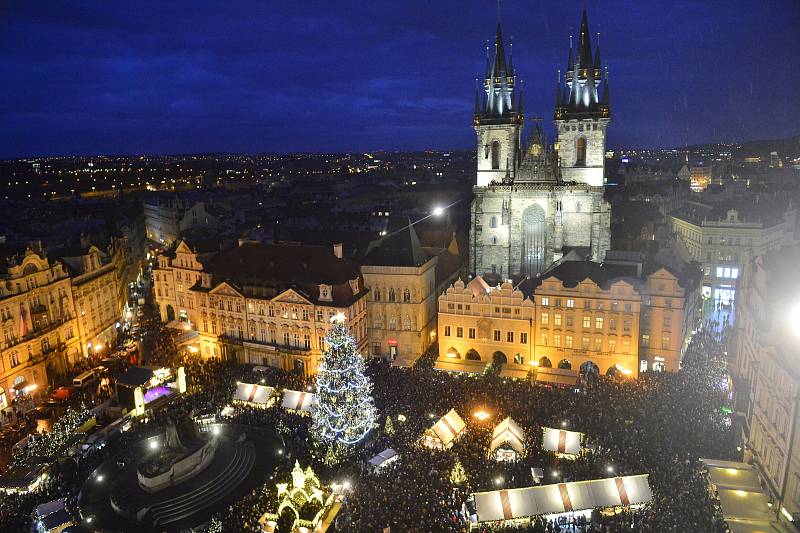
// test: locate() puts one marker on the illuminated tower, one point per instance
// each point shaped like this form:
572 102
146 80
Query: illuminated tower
582 113
497 119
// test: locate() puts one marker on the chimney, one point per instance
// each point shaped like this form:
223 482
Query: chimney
337 250
206 280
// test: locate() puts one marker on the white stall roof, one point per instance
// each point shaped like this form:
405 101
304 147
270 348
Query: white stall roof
384 457
252 393
449 427
561 441
297 400
562 497
508 432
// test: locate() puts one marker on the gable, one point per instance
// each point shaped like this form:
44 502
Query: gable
291 296
225 289
183 248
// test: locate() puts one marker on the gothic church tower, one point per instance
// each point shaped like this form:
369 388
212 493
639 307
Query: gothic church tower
498 119
582 113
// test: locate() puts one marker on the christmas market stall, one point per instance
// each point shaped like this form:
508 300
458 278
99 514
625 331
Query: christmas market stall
444 432
298 401
384 458
563 443
253 394
507 439
518 506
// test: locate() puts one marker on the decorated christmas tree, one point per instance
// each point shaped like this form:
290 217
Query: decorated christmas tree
458 476
344 411
388 428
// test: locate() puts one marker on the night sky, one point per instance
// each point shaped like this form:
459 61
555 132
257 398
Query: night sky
276 76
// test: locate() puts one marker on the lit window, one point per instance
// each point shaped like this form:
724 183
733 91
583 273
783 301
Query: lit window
598 322
570 303
545 319
557 319
545 301
447 331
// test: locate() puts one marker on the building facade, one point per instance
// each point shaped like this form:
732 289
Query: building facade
263 304
534 201
40 331
724 238
765 375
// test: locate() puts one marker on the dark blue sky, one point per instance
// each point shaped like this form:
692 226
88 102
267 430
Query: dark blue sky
87 77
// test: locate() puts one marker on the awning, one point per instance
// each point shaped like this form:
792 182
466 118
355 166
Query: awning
297 401
135 376
562 497
252 393
460 365
561 441
449 427
386 456
510 370
508 432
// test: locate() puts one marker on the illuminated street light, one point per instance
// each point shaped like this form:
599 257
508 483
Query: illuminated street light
498 480
610 469
437 211
481 415
153 444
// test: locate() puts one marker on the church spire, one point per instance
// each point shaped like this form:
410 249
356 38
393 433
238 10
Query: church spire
606 98
597 54
584 58
499 66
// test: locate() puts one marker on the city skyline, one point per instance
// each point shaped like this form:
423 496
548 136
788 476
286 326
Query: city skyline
104 80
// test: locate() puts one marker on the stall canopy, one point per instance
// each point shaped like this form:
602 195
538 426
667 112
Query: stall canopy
508 432
386 456
562 441
562 498
297 401
252 393
449 427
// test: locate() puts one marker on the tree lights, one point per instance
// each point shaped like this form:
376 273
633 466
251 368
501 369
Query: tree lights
344 411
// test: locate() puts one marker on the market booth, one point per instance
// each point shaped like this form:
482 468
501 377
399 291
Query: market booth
520 505
298 401
561 442
444 432
140 388
253 394
507 441
384 458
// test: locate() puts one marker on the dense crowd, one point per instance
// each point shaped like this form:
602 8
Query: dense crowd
660 424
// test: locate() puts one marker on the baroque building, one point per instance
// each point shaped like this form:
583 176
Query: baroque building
534 201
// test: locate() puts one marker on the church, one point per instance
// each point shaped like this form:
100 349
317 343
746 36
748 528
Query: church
535 202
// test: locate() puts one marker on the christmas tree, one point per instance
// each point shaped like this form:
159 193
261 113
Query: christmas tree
458 476
344 411
389 427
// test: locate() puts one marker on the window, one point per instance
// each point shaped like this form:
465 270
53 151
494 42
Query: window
612 344
447 331
626 326
305 314
665 342
493 223
406 296
509 336
627 307
377 295
569 321
668 303
459 332
568 341
471 333
615 306
598 322
587 304
545 301
544 339
612 324
391 295
319 315
570 302
645 339
667 322
598 344
587 322
495 155
626 345
557 319
580 152
306 342
523 338
585 342
497 335
286 338
557 340
545 319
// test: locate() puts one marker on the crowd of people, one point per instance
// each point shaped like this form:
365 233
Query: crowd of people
660 425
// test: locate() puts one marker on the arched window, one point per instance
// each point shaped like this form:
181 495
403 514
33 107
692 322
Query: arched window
518 359
580 152
377 294
495 155
406 296
493 222
564 364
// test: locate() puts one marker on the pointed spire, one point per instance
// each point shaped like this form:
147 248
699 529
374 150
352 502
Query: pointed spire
569 60
519 103
558 89
605 101
584 56
510 58
597 53
477 97
499 67
488 60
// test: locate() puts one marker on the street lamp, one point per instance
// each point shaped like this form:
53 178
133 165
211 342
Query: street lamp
438 211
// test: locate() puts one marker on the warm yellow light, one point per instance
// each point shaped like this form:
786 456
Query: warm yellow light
451 354
732 471
534 363
481 415
193 349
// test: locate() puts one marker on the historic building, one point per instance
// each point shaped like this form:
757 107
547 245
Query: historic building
622 316
724 237
766 377
532 201
262 304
